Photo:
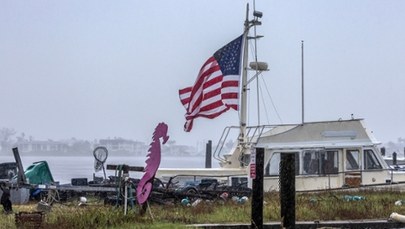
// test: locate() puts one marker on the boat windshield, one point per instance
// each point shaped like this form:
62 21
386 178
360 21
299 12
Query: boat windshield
273 167
370 160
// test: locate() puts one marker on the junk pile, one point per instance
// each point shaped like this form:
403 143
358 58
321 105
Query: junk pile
207 189
37 182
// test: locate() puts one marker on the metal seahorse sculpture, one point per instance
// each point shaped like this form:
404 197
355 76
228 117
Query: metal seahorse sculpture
144 187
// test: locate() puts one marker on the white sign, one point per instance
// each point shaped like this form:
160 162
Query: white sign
253 157
253 164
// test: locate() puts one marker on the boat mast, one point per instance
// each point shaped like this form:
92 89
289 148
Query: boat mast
243 107
240 157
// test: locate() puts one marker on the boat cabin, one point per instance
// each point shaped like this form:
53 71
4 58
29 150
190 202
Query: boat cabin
328 155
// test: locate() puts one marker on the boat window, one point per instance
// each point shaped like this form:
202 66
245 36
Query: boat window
370 160
273 167
329 162
320 162
311 162
352 159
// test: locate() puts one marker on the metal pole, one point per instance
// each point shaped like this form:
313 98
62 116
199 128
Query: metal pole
105 176
302 80
243 103
257 192
125 180
257 79
125 198
21 179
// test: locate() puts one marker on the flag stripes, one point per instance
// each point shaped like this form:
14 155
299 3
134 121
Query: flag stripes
213 92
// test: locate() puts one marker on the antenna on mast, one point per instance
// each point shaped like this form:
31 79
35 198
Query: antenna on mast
256 14
302 80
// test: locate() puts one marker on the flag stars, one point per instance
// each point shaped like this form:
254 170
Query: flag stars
228 57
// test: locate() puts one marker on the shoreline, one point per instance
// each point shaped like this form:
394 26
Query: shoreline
119 154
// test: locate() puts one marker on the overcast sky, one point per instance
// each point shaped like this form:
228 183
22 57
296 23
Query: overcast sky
98 69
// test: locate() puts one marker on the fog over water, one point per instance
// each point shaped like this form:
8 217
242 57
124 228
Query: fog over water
91 69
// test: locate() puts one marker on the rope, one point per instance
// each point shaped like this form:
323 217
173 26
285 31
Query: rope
53 196
271 100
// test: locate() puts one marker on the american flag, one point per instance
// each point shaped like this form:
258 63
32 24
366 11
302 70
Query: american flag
216 89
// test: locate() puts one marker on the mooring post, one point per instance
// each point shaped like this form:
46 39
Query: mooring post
256 173
383 151
208 154
394 158
287 190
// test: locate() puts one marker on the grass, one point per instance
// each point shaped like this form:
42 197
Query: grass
309 207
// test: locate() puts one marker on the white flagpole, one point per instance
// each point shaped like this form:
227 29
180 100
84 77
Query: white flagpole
243 107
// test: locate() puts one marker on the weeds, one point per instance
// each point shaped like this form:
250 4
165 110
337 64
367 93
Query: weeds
309 207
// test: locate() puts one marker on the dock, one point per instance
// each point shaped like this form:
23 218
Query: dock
355 224
81 188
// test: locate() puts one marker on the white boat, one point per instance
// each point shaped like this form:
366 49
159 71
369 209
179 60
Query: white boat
328 154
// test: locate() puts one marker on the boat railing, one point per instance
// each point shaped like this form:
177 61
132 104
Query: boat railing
221 143
253 134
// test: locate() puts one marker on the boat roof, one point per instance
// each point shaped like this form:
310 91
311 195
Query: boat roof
324 134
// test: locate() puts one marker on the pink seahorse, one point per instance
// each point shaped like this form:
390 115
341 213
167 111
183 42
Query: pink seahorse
144 187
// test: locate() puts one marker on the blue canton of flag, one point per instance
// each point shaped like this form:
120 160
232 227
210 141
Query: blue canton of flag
228 57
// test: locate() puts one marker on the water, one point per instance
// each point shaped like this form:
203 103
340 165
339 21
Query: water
64 168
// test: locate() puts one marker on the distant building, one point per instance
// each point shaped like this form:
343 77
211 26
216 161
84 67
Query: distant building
115 145
179 150
42 146
123 145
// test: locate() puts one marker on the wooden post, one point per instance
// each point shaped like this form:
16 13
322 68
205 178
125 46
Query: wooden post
208 154
394 158
287 190
257 186
383 151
